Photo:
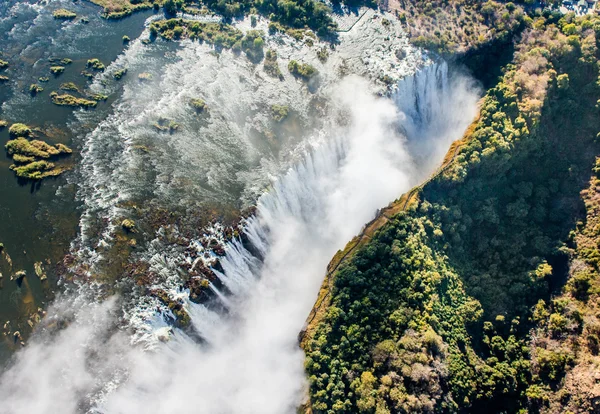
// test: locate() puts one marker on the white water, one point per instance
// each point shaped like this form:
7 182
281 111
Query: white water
357 161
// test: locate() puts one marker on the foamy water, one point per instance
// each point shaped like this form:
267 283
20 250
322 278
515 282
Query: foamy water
314 186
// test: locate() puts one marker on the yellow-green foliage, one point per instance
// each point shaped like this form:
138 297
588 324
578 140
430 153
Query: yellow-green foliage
323 54
20 130
64 14
95 64
35 148
221 35
302 70
3 64
70 100
69 86
252 44
36 170
34 89
198 104
271 66
23 159
279 112
119 73
434 312
57 70
458 25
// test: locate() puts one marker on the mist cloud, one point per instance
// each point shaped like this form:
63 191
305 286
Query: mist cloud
251 362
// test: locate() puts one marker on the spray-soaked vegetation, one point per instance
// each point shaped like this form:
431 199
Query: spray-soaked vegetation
298 14
481 296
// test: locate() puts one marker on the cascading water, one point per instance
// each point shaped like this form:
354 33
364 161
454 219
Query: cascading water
358 159
429 102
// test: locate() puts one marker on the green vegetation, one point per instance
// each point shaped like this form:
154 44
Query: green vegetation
297 14
126 39
66 61
37 170
3 123
458 302
44 79
3 79
459 25
271 66
252 44
166 125
128 225
30 157
20 130
221 35
95 64
3 64
57 70
35 148
119 73
70 100
118 9
69 86
323 54
98 97
34 89
64 14
199 105
279 112
301 70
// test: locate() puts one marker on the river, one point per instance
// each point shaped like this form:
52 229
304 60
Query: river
113 339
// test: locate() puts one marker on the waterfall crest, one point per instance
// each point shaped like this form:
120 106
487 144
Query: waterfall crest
248 360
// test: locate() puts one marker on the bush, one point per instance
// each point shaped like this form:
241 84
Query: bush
279 112
20 130
95 64
63 14
302 70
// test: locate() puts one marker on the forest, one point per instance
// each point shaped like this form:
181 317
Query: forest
482 295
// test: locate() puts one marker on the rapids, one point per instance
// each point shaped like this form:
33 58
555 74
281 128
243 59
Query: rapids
344 153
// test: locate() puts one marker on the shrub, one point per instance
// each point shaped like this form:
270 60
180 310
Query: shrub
20 130
198 104
34 89
64 14
95 64
119 73
302 70
279 112
57 70
70 100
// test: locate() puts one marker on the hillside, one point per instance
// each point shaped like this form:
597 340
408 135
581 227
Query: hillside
479 294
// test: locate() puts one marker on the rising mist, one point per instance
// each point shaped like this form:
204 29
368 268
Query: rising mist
249 360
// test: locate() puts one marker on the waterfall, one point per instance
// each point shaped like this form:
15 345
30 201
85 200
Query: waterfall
430 101
370 150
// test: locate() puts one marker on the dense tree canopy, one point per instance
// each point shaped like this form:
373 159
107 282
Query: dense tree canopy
435 312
